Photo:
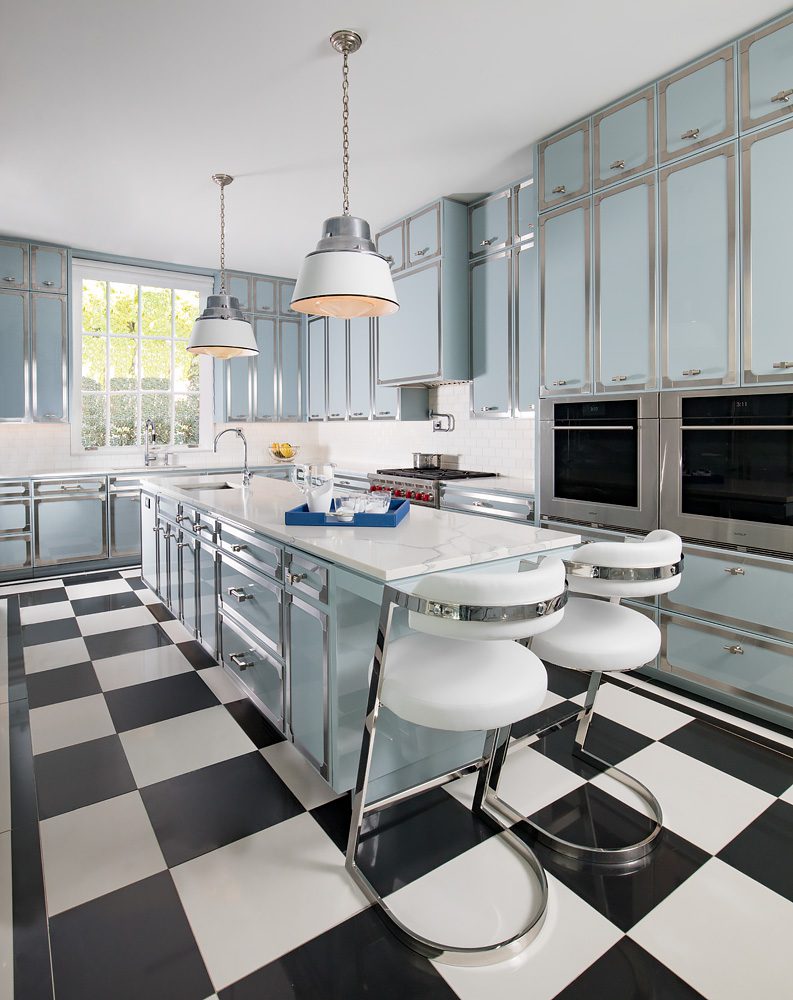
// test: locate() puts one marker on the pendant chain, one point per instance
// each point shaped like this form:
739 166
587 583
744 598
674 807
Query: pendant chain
222 239
345 90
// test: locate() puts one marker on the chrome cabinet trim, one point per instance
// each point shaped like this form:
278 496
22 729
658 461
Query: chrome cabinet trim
648 95
544 205
276 645
19 501
231 536
515 383
517 235
425 256
253 376
623 574
782 107
664 155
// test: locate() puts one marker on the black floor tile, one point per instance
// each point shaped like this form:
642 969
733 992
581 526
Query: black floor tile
548 717
566 683
606 739
625 895
80 775
359 959
763 849
135 582
103 577
35 598
256 727
334 818
47 687
628 972
197 655
154 701
126 640
741 757
53 631
105 602
160 612
205 809
129 944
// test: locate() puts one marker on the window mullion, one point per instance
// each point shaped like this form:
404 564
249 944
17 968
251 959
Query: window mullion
107 364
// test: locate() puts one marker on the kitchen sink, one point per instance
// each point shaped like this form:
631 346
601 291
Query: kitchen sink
210 486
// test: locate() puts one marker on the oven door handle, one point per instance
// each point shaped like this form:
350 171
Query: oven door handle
598 427
736 427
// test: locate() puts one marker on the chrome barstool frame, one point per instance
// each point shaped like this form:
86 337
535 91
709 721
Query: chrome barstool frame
487 785
448 954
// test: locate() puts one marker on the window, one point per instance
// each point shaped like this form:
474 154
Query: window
130 362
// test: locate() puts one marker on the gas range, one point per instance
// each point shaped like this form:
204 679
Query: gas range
420 486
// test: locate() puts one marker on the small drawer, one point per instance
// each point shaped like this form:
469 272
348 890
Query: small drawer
59 487
244 545
13 488
197 522
254 599
16 554
303 575
732 662
257 669
490 504
733 588
14 515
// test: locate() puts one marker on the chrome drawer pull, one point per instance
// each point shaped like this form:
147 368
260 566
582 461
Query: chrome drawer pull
617 165
358 413
559 189
619 378
735 650
692 371
238 659
488 243
334 414
692 133
782 97
297 577
157 527
560 381
421 253
238 548
9 277
169 534
383 413
782 364
199 527
183 545
481 503
736 571
240 594
48 284
488 409
181 517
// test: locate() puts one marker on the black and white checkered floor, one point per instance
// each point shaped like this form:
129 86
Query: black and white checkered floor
189 852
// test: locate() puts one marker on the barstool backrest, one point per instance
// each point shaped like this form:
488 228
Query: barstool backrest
656 562
491 606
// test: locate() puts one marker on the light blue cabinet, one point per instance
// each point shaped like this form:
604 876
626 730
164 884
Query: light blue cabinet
70 521
317 401
125 525
696 107
526 308
286 290
15 338
337 369
563 161
14 265
385 400
264 295
491 336
239 285
767 247
489 224
308 666
289 355
410 340
697 270
623 139
767 73
625 342
207 598
188 580
238 389
524 199
48 269
564 300
257 669
359 353
49 351
148 539
264 369
424 235
391 244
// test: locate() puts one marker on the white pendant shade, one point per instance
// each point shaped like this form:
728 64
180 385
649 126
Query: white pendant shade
222 338
346 284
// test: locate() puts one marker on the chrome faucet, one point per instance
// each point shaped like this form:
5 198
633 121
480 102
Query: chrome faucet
246 474
149 437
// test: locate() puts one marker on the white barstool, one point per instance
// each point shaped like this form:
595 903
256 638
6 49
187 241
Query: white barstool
460 669
600 636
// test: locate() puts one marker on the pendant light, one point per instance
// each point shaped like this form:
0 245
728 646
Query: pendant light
221 330
345 276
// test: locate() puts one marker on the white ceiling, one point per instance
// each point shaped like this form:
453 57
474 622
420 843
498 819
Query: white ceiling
114 114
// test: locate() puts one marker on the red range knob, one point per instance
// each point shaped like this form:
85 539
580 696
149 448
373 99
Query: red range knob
426 496
398 493
409 494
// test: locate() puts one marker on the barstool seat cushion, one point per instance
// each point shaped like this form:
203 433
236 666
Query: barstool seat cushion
599 636
461 685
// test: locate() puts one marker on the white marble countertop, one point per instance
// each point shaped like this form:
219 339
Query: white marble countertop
427 541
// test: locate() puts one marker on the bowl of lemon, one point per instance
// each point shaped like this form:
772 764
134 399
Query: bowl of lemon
284 452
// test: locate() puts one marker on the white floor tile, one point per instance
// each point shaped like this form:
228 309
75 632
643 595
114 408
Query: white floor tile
68 722
127 573
788 795
725 934
220 683
529 781
136 668
78 590
27 588
636 712
45 612
186 743
111 621
5 772
92 851
262 896
573 937
175 631
147 596
48 655
300 777
6 920
701 803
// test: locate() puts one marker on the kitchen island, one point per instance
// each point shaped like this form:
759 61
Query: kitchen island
291 612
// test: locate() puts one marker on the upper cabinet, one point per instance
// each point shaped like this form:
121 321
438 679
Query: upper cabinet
410 340
49 377
489 224
15 337
286 289
359 371
337 368
265 369
391 244
623 139
290 359
524 201
563 166
424 235
317 379
767 74
14 265
696 107
239 285
526 328
491 336
264 295
48 269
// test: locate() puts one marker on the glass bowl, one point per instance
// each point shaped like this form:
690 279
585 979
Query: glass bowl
278 457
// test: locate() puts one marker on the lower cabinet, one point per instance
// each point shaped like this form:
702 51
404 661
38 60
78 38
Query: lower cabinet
254 599
148 540
70 519
125 534
187 545
207 598
261 673
308 685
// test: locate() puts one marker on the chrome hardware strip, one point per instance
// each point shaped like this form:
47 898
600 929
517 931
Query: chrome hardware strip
624 574
483 613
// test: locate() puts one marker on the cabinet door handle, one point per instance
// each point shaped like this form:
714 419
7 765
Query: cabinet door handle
157 527
238 548
421 253
48 284
238 659
782 364
619 378
9 277
782 97
736 571
180 517
617 165
383 413
559 189
334 414
560 381
481 503
297 577
692 133
169 534
239 594
51 416
692 371
199 527
183 545
488 409
736 650
489 243
358 413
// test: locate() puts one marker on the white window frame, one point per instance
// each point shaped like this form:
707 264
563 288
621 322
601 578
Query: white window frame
151 277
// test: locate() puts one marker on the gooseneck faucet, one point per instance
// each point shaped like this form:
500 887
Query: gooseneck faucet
149 437
246 475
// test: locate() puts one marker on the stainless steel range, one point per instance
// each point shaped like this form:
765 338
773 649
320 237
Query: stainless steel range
420 486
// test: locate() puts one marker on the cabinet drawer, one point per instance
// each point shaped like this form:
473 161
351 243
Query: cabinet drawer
391 244
260 672
491 504
623 139
488 224
14 265
305 576
47 269
249 548
16 554
61 487
736 589
728 660
424 235
14 516
14 489
253 599
564 166
696 107
168 506
767 73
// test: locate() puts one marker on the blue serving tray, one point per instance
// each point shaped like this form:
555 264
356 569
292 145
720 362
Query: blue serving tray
397 512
